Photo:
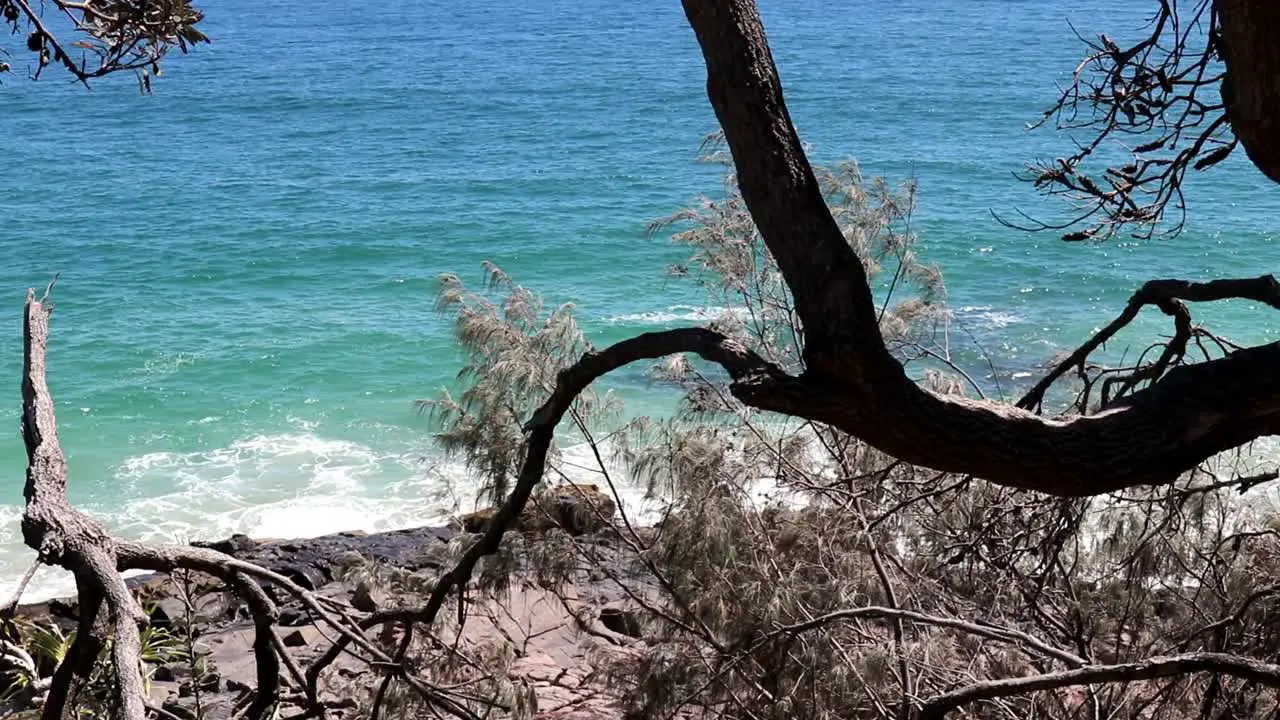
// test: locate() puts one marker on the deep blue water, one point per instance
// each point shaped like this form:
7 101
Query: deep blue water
248 254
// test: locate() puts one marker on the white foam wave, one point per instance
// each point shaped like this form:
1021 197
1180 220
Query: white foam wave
288 485
990 317
303 485
676 313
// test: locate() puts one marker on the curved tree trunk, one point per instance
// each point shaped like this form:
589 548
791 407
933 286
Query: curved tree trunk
1250 46
852 381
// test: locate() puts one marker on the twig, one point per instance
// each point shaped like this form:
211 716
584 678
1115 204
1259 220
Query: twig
11 607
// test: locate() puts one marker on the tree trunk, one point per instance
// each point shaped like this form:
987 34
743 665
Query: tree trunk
854 384
1250 48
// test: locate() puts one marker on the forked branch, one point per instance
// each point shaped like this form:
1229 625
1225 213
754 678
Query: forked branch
64 536
752 377
1163 294
853 383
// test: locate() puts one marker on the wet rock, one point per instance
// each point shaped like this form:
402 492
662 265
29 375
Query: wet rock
187 708
210 683
234 545
293 615
68 608
579 509
476 522
171 672
312 563
184 708
306 576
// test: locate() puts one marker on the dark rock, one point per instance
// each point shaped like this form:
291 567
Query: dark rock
306 576
180 709
293 615
237 686
476 522
170 672
295 639
312 563
140 584
366 598
340 703
158 617
581 509
622 621
210 683
211 707
68 608
234 545
577 509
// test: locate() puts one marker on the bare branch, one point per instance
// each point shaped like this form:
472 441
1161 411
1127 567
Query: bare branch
1262 673
999 634
67 537
854 384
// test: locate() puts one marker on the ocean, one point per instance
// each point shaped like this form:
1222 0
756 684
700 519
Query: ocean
248 255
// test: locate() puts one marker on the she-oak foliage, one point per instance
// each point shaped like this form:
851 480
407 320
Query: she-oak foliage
863 584
798 572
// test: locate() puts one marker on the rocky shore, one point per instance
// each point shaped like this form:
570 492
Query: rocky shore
558 638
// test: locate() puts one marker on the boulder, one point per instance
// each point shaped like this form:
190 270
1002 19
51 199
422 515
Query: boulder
476 522
577 509
234 545
367 598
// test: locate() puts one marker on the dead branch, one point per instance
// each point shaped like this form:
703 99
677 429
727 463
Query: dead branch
1159 667
1149 96
66 537
114 36
750 373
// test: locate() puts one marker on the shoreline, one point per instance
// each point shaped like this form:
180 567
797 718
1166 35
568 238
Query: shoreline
560 633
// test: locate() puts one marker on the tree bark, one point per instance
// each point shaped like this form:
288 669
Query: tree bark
1250 49
1256 671
67 537
853 383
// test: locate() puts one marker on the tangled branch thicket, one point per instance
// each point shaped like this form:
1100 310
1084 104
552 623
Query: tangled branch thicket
860 586
796 569
1156 97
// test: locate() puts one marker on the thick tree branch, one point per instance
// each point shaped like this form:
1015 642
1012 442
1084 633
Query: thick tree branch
1252 81
853 383
64 536
754 379
1159 667
1160 293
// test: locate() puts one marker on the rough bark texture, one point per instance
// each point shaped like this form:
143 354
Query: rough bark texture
854 384
1158 667
65 536
62 535
1251 89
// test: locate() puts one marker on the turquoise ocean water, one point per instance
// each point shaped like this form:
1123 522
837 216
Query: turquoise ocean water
248 255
